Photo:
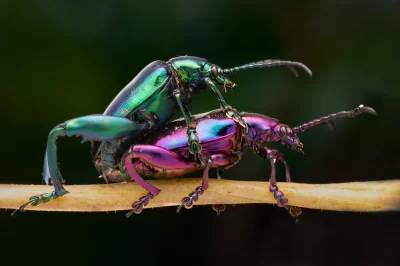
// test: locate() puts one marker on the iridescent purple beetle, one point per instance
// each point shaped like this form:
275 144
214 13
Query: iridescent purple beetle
166 154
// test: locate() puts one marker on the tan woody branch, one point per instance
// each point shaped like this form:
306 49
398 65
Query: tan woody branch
355 196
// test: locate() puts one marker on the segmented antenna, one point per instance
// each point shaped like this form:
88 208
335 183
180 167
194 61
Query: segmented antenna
270 63
327 119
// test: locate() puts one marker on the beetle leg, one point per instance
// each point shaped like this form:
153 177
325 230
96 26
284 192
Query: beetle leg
273 156
105 172
233 114
188 202
36 200
278 156
218 208
146 116
216 160
111 174
229 111
91 127
193 140
219 173
157 157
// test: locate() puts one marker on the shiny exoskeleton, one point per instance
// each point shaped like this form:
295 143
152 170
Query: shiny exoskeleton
144 105
166 154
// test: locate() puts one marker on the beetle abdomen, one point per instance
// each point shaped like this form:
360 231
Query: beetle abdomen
141 90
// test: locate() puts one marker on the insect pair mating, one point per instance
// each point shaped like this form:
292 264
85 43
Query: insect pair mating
135 140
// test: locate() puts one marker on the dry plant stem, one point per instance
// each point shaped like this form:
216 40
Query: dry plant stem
355 196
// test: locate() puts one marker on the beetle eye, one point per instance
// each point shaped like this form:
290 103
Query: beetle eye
214 71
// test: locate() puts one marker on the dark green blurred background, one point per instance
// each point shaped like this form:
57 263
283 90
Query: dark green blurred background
64 59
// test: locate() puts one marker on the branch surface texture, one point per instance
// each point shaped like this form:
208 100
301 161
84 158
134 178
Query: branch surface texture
355 196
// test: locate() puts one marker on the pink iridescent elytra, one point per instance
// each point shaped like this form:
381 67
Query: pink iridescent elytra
166 153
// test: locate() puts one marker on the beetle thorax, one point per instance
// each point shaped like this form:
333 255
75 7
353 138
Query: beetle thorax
260 128
187 68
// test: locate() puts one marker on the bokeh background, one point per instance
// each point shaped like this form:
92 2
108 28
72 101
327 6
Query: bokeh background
64 59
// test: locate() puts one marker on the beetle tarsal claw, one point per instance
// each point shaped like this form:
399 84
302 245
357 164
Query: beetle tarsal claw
233 114
193 141
218 208
188 202
137 207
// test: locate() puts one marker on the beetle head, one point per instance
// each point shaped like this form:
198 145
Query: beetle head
198 81
285 135
294 143
264 130
192 71
217 74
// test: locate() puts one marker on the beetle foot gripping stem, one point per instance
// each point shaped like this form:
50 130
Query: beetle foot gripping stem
295 212
218 208
188 202
139 205
36 200
234 114
282 201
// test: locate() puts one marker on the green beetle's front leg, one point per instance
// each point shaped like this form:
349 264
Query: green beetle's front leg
193 139
229 111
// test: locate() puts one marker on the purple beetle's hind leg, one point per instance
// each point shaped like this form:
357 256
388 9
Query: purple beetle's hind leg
188 202
218 208
157 157
138 206
215 161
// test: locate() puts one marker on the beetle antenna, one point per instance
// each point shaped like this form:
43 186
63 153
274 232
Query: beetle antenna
329 118
270 63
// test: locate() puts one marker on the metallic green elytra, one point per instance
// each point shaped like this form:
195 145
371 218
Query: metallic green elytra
140 91
147 103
